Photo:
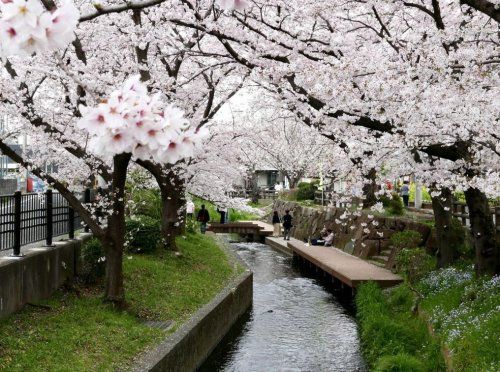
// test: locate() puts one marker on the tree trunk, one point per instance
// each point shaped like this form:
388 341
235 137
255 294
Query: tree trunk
254 196
173 201
114 237
370 188
293 182
446 236
483 232
173 209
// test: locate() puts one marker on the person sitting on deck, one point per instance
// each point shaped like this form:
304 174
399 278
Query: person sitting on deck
326 241
329 238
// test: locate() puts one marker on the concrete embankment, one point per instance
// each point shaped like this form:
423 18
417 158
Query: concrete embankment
193 342
37 274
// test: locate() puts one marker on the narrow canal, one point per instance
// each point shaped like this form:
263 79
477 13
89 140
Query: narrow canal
295 323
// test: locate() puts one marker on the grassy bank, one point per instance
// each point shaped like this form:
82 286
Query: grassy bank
458 317
75 331
234 214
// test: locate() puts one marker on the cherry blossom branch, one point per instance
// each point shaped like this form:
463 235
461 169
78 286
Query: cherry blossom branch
129 5
484 6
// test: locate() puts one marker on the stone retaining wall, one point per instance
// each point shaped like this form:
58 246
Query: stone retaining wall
37 274
309 221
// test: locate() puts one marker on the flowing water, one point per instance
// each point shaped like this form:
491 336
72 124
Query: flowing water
295 323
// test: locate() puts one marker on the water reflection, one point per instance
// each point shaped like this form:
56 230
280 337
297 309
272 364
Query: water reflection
295 324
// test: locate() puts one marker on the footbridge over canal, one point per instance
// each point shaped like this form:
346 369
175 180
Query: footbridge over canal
345 270
257 229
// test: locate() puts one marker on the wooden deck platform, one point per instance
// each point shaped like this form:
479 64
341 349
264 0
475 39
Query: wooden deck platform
348 269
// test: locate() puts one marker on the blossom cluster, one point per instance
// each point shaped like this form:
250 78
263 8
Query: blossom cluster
26 27
132 121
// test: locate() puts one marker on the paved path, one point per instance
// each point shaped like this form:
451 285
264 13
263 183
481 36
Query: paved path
349 269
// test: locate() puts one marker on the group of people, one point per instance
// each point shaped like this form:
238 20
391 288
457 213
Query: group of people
203 217
287 224
325 238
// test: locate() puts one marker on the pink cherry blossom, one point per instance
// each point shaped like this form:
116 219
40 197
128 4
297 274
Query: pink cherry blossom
131 121
26 27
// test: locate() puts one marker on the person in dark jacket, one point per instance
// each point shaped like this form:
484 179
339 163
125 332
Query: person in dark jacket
276 224
203 217
287 224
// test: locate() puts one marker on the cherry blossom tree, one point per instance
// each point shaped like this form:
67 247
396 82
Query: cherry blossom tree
50 91
371 71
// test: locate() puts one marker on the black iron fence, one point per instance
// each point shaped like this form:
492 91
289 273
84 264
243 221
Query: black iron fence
28 218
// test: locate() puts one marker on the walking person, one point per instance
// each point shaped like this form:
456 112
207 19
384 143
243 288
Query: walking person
276 224
405 193
190 209
203 217
287 224
222 212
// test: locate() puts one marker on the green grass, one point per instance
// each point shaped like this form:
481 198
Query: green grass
234 214
173 288
78 332
464 312
461 310
391 335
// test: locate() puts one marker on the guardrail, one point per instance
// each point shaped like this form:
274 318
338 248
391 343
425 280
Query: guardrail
28 218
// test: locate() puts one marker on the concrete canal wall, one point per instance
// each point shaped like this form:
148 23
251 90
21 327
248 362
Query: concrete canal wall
37 274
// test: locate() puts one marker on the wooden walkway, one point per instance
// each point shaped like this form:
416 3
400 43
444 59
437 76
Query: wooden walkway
242 227
349 269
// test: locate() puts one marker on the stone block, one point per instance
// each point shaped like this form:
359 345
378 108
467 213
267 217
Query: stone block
371 248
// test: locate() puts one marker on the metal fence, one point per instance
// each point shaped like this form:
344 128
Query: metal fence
28 218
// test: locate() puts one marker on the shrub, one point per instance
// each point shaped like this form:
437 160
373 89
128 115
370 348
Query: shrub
288 195
146 202
93 263
399 363
414 264
406 239
460 239
143 234
306 190
393 205
396 205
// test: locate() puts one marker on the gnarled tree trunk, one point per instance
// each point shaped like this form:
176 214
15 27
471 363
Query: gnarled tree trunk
483 232
447 240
